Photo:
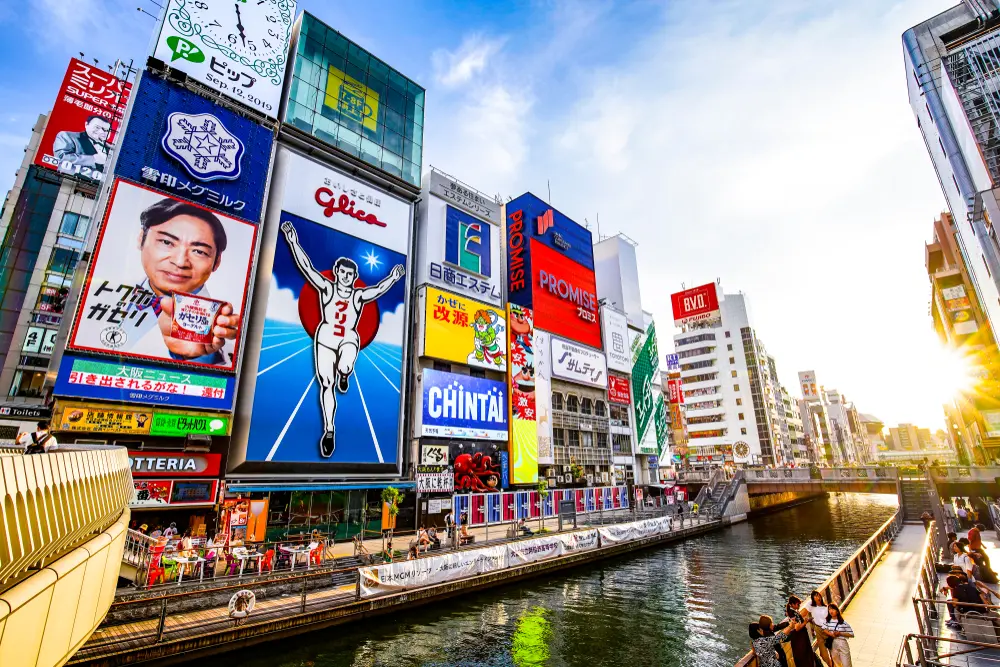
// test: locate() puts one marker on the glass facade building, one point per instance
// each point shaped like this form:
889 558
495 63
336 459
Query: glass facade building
348 98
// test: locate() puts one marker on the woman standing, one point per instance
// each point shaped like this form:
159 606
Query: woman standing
818 613
799 641
838 632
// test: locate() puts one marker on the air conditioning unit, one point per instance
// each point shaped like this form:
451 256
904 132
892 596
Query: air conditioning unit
590 479
605 477
566 468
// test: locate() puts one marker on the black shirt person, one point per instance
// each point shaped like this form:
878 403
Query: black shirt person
84 149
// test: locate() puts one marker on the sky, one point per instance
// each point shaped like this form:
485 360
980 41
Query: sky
767 144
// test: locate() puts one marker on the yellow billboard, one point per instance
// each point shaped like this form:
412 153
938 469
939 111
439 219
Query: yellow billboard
464 331
88 419
352 98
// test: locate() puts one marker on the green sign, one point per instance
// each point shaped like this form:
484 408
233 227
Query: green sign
182 425
643 373
660 419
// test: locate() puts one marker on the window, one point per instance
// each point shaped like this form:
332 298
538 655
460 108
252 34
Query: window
942 147
557 401
477 373
602 440
987 266
442 366
559 437
74 224
732 360
587 439
734 373
741 415
600 408
727 335
929 113
694 339
586 407
743 431
956 184
572 404
736 387
739 401
729 347
574 438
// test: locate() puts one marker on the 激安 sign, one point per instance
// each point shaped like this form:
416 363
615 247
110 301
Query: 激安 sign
182 425
435 479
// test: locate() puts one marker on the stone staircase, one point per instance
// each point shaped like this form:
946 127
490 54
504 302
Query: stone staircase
915 498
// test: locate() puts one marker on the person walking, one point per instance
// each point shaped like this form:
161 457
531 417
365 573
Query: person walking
38 442
838 632
766 642
679 510
449 524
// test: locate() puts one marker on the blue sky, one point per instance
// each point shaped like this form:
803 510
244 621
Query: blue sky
768 144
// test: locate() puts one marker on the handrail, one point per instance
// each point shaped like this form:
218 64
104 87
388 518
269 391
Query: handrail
854 571
54 502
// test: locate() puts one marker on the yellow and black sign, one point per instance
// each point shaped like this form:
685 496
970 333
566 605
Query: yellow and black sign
103 420
98 418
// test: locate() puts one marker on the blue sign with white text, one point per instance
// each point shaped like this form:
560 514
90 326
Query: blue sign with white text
188 146
461 406
111 380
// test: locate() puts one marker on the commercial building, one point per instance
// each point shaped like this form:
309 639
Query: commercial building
962 326
951 74
834 428
734 407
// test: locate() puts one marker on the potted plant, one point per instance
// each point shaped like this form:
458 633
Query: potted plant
543 493
391 496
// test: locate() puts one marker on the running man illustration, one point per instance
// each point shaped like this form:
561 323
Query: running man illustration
485 325
336 342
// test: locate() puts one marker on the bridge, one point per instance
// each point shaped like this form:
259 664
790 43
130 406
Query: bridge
62 532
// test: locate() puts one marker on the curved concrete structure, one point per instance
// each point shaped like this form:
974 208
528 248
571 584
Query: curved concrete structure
63 523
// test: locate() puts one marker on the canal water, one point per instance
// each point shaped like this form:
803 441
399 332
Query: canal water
682 605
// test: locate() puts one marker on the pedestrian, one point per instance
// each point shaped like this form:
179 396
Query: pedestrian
927 517
962 594
838 632
449 524
963 514
38 442
766 641
962 560
799 641
976 536
171 530
679 510
432 533
818 613
521 526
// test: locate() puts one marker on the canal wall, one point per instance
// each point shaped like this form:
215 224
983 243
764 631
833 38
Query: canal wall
204 641
772 502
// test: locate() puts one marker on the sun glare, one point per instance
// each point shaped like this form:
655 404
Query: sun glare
950 373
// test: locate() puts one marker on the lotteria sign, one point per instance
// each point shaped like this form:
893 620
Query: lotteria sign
460 406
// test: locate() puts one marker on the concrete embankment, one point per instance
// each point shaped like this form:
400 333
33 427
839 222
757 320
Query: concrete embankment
183 637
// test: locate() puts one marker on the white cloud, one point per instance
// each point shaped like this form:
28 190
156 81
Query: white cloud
390 328
453 68
282 304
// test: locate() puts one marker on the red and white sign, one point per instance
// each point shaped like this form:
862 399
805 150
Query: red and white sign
675 392
174 464
564 296
695 305
619 390
164 492
84 122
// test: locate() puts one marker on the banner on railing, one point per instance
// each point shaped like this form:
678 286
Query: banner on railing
529 551
579 541
433 570
636 530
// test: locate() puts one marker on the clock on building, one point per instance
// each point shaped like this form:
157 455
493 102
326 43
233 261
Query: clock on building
238 47
741 449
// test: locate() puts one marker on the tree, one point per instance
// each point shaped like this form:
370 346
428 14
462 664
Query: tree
543 493
391 496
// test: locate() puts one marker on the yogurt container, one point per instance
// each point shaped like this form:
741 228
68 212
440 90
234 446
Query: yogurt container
194 318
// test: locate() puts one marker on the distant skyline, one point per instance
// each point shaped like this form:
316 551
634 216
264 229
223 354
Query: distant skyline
769 144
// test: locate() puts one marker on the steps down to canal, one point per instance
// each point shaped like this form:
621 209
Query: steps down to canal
915 498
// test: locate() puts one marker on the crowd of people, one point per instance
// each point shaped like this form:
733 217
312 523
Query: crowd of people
971 580
789 643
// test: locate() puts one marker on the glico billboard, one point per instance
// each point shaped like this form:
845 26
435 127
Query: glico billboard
550 269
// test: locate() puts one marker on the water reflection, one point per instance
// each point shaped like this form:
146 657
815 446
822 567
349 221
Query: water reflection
684 605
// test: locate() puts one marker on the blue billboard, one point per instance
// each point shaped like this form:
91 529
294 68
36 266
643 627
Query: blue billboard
535 219
461 406
188 146
127 382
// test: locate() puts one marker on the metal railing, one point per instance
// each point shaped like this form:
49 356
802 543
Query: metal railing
841 586
164 614
54 502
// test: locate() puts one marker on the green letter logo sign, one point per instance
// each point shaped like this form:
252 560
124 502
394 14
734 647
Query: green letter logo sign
182 48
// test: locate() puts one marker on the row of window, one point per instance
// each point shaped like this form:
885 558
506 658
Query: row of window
708 363
698 351
699 378
714 433
584 406
704 405
707 419
564 437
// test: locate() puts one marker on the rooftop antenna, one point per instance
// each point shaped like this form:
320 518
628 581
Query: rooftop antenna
598 225
548 184
140 9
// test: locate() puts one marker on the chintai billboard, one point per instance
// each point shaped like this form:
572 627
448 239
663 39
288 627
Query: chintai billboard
322 379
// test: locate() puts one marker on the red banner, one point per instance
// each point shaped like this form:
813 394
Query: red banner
675 391
695 304
84 122
564 296
619 390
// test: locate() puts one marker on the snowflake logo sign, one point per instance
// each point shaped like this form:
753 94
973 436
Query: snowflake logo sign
203 145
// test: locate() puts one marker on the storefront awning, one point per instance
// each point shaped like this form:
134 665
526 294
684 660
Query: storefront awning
249 487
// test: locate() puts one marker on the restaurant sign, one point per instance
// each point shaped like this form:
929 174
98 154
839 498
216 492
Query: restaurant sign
174 464
96 418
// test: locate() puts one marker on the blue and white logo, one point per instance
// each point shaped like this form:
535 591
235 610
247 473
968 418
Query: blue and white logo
460 406
203 145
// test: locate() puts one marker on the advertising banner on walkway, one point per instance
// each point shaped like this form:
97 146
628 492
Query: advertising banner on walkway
464 331
644 365
529 551
523 425
431 570
579 541
83 126
325 385
168 282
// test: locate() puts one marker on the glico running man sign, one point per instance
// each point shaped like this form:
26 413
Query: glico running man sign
326 384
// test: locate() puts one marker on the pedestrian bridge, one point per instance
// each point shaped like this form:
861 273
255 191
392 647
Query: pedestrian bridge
872 479
62 532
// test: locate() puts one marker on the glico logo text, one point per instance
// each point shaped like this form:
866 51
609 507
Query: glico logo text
585 302
345 205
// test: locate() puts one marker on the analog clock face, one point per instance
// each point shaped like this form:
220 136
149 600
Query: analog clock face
254 29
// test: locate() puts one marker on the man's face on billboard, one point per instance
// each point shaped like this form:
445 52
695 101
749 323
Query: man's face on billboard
179 255
345 275
98 130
